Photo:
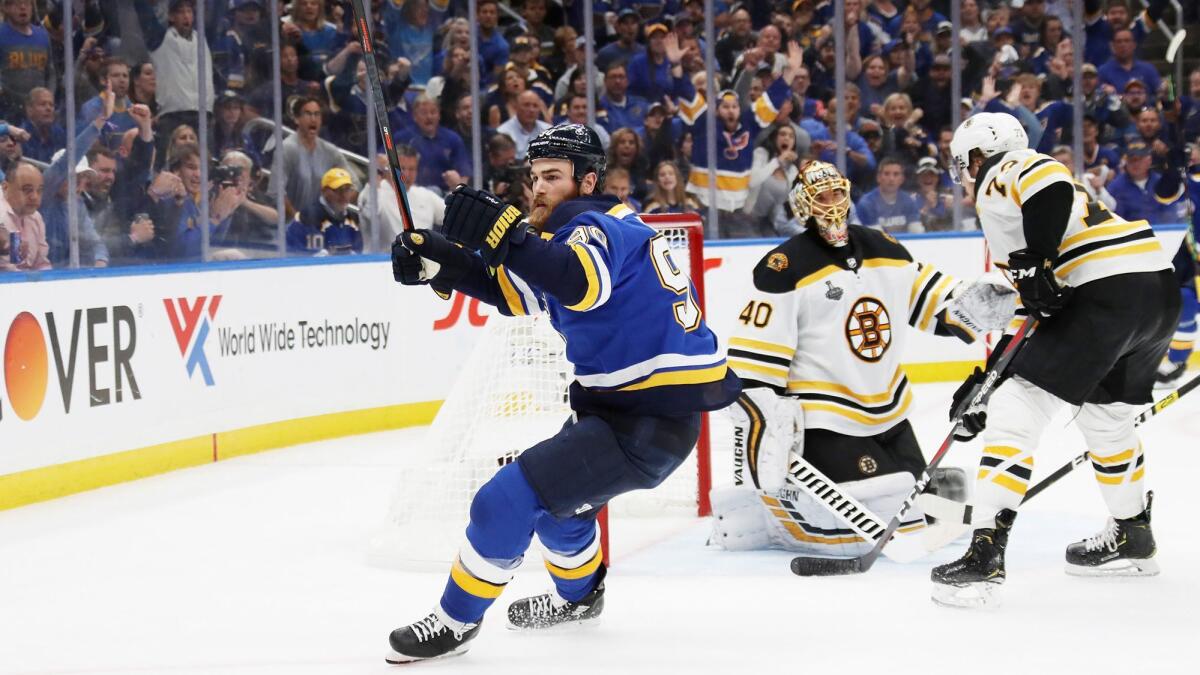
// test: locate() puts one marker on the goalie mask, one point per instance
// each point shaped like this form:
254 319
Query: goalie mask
822 193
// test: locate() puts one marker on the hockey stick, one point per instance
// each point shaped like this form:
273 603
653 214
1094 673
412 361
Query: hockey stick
854 514
958 512
367 39
807 566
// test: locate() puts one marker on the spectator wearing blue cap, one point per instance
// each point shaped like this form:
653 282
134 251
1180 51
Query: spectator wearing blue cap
1134 188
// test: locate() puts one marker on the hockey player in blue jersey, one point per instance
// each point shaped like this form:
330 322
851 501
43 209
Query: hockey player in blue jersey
1180 180
645 363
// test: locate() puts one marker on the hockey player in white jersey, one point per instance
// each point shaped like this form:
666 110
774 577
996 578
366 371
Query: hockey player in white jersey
818 347
1107 304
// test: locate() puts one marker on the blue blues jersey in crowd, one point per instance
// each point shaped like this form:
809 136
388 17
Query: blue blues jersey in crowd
636 336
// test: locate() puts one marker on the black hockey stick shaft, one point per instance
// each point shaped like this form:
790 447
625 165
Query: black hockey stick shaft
367 39
813 566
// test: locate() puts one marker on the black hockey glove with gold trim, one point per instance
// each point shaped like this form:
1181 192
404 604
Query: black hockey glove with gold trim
482 222
1033 275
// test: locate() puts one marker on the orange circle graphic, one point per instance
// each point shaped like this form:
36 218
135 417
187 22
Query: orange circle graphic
26 366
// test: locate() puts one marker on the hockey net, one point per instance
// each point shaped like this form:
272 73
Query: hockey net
511 394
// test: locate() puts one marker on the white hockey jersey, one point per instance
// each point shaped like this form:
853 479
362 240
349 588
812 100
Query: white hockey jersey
1097 243
827 326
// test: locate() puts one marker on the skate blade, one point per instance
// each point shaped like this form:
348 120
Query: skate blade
979 595
395 658
1124 567
565 627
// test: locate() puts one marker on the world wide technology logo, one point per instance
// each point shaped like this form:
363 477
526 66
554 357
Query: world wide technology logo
190 323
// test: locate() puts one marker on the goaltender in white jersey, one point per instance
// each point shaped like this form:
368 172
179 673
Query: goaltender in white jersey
818 347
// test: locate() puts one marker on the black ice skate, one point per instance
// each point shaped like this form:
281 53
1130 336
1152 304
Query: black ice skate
1169 374
548 610
1125 548
972 580
435 636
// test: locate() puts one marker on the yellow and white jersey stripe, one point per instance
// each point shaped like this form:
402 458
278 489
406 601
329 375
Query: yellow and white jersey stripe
834 337
1097 243
733 187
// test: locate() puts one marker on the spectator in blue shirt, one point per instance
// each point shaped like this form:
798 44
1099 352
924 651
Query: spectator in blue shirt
321 39
1123 67
493 48
1134 189
114 75
658 71
887 207
1095 154
626 46
327 227
1100 25
178 213
444 159
413 39
623 109
46 136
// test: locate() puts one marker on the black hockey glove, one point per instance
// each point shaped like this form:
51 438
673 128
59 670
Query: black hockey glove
421 257
482 222
1033 275
971 419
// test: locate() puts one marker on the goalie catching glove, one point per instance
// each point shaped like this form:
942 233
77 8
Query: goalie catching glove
482 222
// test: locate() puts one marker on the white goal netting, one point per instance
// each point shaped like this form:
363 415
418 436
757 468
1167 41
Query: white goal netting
511 394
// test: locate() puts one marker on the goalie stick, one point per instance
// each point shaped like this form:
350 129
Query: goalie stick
860 519
807 566
958 512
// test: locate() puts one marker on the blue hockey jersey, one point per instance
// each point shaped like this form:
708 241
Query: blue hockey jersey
636 335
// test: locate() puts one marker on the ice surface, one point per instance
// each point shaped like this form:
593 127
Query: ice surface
258 565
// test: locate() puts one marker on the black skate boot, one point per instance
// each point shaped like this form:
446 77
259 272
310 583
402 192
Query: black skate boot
1125 548
971 580
435 636
1169 374
549 610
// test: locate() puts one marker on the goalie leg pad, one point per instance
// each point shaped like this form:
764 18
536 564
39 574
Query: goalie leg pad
767 428
740 520
802 524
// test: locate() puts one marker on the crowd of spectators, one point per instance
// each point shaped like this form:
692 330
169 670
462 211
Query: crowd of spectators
138 109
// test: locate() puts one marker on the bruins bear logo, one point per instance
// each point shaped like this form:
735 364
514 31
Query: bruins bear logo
869 329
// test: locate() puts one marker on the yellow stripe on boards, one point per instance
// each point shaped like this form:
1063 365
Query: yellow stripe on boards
477 587
60 480
579 572
946 371
593 280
